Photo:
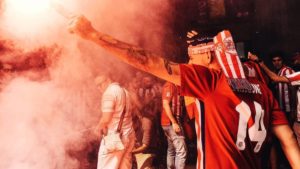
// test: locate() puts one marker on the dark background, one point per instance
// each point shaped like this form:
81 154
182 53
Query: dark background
260 26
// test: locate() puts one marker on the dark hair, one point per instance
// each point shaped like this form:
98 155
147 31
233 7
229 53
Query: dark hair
277 54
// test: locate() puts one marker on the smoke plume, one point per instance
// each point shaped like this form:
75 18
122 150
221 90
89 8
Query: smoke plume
48 102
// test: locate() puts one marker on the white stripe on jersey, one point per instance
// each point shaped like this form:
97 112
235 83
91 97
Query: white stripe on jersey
284 100
241 67
294 78
229 60
200 164
221 63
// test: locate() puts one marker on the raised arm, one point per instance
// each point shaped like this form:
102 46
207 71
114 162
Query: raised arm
131 54
271 74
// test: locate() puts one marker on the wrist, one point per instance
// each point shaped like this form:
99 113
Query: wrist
94 35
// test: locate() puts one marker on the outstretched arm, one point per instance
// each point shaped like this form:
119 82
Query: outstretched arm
271 74
133 55
289 144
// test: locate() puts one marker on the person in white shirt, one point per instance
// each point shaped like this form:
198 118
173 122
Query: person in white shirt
113 103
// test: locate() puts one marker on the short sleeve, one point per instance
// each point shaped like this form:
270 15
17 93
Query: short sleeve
197 81
167 92
108 100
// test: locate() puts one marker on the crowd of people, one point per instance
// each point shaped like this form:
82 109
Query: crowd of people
237 118
158 119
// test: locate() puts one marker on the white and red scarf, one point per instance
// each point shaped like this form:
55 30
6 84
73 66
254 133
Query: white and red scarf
230 62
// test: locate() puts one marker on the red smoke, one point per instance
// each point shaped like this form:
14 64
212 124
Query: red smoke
47 97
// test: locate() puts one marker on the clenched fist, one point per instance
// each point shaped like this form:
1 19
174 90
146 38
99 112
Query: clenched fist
81 26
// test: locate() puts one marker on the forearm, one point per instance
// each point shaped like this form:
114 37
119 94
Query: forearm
168 111
273 75
102 124
289 144
131 54
138 57
140 149
105 119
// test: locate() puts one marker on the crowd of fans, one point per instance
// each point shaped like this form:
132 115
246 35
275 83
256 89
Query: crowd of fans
236 113
159 126
151 148
148 93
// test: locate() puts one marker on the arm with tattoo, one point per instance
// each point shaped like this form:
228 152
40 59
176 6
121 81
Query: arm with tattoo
133 55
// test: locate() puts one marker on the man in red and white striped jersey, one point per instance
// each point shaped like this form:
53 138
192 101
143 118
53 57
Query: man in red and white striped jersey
172 118
283 91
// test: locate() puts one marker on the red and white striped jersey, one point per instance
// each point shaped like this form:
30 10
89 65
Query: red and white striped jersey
294 79
283 91
170 92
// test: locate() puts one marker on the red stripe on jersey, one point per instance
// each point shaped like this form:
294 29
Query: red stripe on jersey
227 55
283 90
236 64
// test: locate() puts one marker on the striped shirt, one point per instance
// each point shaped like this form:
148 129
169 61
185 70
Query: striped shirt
294 79
283 92
171 93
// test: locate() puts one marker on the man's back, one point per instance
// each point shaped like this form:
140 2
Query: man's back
234 125
113 100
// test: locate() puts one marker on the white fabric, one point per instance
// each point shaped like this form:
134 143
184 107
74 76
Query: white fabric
119 159
294 79
113 102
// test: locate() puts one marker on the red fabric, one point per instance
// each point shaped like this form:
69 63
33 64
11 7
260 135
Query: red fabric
190 107
170 93
255 71
221 117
